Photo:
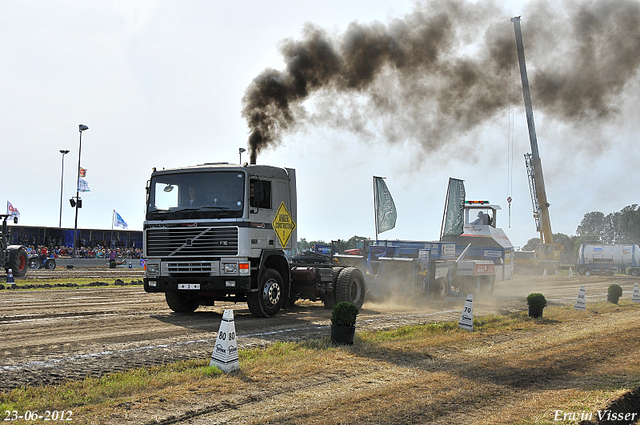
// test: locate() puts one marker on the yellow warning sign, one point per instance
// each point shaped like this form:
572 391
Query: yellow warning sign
283 224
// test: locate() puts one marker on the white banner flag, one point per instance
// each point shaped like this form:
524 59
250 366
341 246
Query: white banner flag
118 221
12 211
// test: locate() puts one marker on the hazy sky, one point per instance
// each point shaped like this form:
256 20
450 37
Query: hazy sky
160 84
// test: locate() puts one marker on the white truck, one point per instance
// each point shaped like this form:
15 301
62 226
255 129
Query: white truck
221 232
218 232
605 259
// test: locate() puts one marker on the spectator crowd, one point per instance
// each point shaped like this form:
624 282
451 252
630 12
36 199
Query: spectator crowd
83 252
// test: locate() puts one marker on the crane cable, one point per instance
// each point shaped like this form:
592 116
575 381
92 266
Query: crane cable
510 94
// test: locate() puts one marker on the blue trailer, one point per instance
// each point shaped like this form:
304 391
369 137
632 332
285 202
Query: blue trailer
423 269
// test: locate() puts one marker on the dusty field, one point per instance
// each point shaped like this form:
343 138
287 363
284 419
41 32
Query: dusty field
48 336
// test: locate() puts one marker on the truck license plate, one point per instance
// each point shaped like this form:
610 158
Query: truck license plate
192 286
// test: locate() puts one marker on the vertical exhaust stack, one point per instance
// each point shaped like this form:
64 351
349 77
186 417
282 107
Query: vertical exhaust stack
255 143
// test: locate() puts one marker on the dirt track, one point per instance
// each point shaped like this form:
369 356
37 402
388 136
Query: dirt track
48 336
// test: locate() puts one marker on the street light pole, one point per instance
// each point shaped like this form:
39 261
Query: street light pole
240 150
63 152
82 128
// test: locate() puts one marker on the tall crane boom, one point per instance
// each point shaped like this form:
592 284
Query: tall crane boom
533 162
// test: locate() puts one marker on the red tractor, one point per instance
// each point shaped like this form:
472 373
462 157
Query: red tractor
12 257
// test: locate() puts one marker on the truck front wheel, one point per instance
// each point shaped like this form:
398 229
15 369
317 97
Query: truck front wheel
268 299
182 302
350 286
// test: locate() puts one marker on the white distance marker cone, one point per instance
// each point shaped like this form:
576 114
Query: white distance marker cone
225 353
10 276
581 303
636 293
466 318
570 271
544 273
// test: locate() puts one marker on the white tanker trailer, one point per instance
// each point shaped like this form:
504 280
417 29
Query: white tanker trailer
604 259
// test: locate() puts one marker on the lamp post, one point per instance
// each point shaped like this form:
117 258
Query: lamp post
82 128
240 150
63 152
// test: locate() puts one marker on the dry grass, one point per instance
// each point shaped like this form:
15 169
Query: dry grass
510 370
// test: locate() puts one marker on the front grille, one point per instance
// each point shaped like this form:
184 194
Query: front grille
201 267
192 242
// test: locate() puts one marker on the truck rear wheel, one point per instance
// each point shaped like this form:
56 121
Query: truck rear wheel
350 286
329 300
487 284
473 286
34 263
441 288
20 263
182 302
634 272
268 299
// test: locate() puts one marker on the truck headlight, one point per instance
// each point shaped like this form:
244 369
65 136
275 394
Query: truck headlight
231 268
152 269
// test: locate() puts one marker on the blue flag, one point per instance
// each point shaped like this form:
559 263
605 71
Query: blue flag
83 186
118 221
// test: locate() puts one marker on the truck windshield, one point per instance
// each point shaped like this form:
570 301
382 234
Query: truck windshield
214 194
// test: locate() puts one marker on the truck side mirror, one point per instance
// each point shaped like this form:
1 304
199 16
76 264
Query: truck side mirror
15 219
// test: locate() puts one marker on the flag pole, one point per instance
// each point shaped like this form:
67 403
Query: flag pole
375 206
113 214
446 203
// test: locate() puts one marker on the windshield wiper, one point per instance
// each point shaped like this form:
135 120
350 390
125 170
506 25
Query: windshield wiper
216 207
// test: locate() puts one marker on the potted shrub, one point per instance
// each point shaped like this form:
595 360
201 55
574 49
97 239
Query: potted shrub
537 302
614 293
343 323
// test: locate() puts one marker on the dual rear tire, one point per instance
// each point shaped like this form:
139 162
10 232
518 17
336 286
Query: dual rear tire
350 287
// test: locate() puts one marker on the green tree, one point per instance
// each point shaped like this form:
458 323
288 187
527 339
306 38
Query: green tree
566 244
629 224
303 245
532 245
592 224
352 243
563 242
340 245
614 228
610 229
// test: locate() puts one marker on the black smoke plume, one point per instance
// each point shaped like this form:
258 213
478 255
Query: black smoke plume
445 69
